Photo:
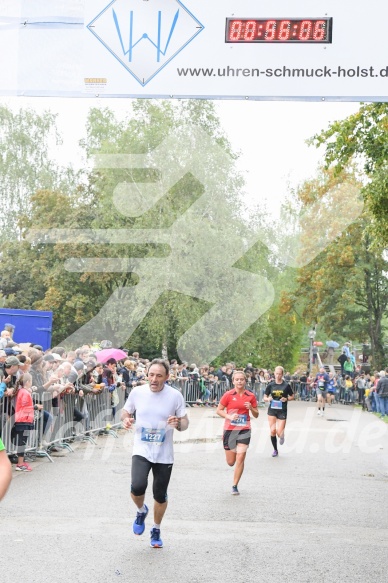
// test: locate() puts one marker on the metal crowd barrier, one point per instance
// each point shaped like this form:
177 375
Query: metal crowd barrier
192 392
259 390
7 420
68 417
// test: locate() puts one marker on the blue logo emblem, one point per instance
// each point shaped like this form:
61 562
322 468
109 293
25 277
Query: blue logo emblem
145 35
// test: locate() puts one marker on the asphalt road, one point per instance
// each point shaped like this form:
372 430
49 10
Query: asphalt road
318 513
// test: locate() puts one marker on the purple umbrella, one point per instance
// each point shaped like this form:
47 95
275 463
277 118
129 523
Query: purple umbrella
107 353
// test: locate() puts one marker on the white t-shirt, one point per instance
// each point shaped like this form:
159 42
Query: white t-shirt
153 437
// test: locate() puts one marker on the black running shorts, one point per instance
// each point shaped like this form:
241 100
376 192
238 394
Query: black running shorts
278 413
232 437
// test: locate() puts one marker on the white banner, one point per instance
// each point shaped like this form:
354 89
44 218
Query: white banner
305 49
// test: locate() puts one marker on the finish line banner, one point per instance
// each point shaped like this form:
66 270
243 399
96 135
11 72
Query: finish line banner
306 49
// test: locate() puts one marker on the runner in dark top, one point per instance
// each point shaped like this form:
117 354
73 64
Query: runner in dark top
322 380
277 394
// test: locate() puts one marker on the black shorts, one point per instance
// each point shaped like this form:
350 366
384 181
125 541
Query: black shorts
279 414
232 437
161 472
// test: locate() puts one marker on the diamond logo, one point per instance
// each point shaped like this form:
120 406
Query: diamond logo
145 36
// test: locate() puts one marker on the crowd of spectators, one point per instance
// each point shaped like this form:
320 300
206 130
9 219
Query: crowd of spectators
43 378
33 382
370 390
57 372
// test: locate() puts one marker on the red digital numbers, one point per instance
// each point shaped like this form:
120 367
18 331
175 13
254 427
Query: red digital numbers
235 30
303 30
320 30
250 30
270 30
284 30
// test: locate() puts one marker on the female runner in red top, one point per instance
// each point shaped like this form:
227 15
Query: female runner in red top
235 406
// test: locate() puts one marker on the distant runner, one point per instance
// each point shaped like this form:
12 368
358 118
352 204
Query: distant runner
322 380
277 394
235 406
331 389
159 410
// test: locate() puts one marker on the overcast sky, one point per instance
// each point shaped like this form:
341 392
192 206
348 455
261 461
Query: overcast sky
270 136
272 139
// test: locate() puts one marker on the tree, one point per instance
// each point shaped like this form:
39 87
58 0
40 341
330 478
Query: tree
76 294
26 140
183 206
72 283
345 289
363 138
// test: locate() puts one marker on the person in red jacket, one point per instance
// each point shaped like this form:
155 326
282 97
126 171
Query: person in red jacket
24 418
235 407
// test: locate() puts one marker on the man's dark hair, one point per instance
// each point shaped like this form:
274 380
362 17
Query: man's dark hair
162 362
111 361
58 350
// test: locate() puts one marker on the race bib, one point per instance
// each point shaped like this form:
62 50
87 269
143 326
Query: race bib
276 405
321 384
153 435
241 420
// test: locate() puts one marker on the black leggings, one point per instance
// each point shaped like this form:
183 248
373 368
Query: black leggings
141 468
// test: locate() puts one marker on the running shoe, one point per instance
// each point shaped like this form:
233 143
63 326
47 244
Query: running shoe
282 439
156 542
235 491
275 453
23 468
319 413
138 525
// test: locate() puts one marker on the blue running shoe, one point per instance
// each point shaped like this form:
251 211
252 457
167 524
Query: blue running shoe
156 542
138 525
235 491
275 453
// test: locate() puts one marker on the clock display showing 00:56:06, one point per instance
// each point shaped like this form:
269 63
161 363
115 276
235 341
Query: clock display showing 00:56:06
279 30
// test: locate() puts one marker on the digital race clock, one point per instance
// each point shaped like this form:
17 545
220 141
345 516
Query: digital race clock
279 30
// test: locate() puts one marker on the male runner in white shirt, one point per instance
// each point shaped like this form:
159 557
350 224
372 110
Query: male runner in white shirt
159 410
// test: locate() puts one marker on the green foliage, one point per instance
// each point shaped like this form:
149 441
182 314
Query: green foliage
345 289
26 140
363 138
36 276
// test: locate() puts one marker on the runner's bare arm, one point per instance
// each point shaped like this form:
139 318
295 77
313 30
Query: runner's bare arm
179 423
5 473
126 419
221 411
253 410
